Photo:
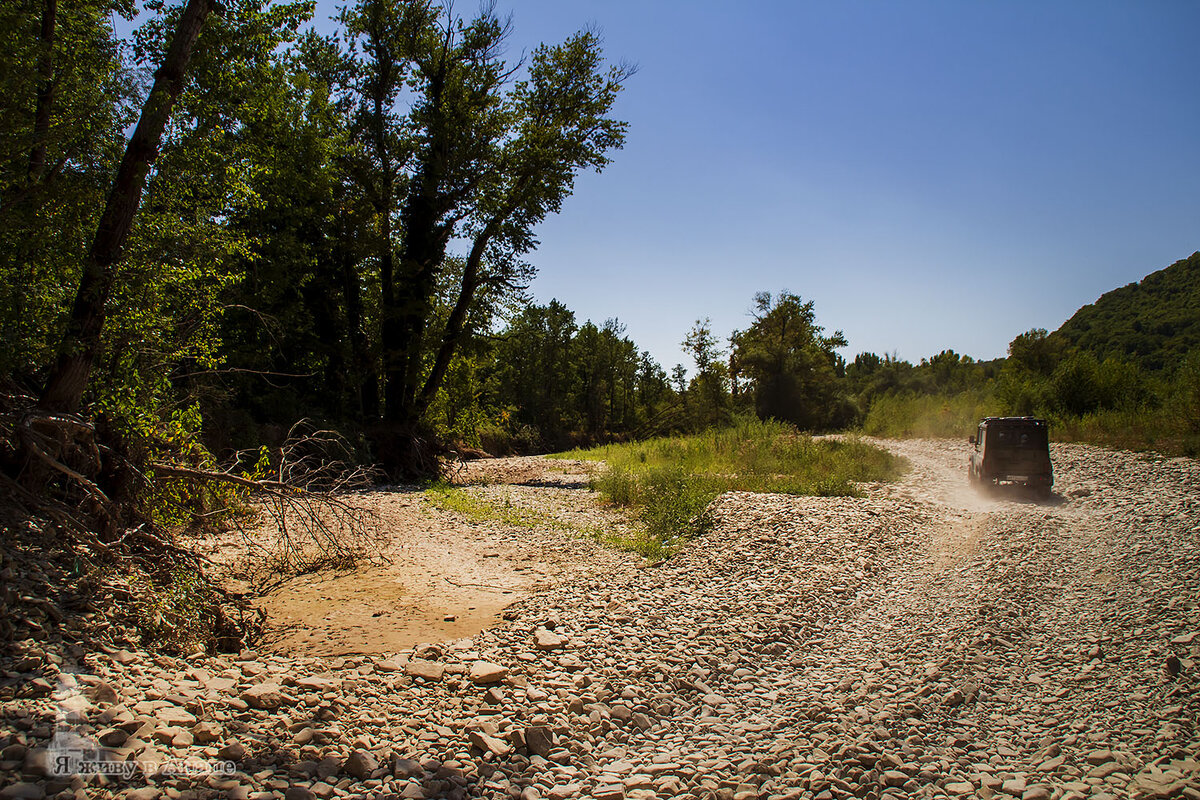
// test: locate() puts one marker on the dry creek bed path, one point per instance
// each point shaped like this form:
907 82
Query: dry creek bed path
920 641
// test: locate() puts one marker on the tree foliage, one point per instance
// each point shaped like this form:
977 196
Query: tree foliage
1154 322
791 369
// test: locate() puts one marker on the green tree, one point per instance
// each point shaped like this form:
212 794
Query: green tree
66 96
535 372
791 369
80 343
1036 352
1187 391
447 147
709 389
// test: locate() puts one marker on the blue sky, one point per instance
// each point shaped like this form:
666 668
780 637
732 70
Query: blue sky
932 174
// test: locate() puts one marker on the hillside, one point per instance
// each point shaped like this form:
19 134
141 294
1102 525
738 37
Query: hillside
1154 322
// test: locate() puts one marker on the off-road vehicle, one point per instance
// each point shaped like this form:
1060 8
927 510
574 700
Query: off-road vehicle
1012 450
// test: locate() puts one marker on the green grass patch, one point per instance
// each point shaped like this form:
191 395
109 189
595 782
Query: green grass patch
473 507
450 498
671 481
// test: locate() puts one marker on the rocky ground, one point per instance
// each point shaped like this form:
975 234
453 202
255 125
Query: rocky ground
920 641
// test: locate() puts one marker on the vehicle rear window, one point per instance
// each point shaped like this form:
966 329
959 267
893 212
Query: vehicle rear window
1019 438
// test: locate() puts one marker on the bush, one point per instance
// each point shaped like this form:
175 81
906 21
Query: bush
1186 392
1075 385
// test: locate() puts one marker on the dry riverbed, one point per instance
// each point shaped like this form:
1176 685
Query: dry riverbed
920 641
447 575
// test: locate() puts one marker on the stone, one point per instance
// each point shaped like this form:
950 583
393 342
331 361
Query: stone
429 670
406 768
613 791
1104 770
490 744
548 640
174 715
234 752
142 793
1014 786
413 791
314 683
299 793
1036 792
1152 786
485 672
206 732
539 740
390 665
102 692
112 737
328 766
263 696
360 764
23 791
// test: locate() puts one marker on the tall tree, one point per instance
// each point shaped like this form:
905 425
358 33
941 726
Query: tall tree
66 97
451 148
788 364
68 378
710 386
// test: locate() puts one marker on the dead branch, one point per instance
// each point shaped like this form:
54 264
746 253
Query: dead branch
176 471
311 522
33 440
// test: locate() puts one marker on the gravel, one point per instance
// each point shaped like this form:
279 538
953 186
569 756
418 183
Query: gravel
919 641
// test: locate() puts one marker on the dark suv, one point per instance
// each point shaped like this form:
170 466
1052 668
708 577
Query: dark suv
1012 450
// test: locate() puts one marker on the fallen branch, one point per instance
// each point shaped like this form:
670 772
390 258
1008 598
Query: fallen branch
312 525
175 471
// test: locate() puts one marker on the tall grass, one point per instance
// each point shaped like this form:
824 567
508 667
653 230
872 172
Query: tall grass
1154 429
671 481
900 416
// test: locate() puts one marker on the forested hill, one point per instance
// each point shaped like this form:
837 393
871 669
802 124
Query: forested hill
1154 322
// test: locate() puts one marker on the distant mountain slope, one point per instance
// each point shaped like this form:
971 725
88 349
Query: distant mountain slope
1154 322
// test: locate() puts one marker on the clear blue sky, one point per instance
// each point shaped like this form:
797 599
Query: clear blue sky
932 174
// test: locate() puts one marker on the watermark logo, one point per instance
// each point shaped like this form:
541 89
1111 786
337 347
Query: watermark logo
72 753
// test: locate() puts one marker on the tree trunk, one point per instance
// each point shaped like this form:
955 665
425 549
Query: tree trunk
424 248
81 342
45 92
362 370
422 251
456 324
